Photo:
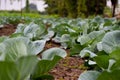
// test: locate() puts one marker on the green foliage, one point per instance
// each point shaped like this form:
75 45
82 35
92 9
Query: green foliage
95 6
109 75
108 61
52 9
71 7
18 70
44 66
82 8
75 8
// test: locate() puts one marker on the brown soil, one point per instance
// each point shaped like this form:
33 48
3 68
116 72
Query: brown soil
67 69
7 30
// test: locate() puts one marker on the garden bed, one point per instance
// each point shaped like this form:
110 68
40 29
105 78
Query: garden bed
67 69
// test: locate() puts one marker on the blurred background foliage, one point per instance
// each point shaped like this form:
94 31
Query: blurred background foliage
73 8
79 8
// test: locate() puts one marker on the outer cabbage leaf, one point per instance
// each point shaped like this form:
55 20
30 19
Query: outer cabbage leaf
14 48
90 37
102 61
8 71
32 30
44 66
89 75
50 53
18 70
114 75
110 42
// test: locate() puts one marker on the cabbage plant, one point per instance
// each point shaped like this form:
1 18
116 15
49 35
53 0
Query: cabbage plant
13 48
110 41
18 60
109 67
49 59
107 60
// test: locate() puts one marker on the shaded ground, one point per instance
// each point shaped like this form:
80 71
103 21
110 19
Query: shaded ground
67 69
